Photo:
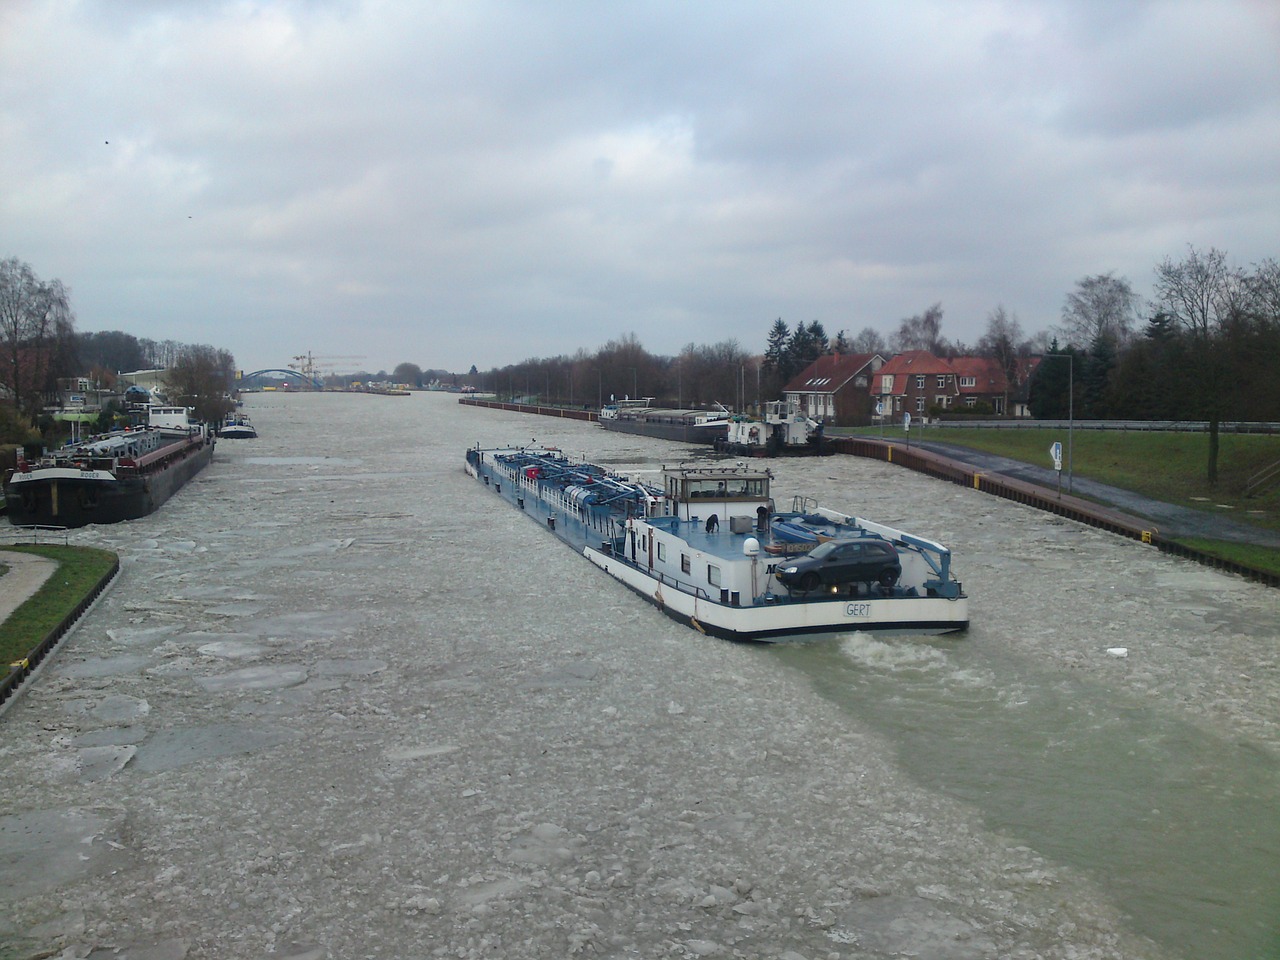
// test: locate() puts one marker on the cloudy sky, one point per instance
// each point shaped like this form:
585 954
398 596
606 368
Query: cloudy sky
472 182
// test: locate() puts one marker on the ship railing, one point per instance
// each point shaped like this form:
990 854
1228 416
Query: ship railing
669 581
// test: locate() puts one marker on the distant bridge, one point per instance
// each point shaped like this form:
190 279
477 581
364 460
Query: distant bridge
259 379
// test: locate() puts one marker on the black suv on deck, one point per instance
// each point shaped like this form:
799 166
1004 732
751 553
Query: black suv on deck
842 561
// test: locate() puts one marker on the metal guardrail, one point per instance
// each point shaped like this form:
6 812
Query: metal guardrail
1159 426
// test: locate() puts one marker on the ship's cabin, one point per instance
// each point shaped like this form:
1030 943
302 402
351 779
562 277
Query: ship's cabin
725 490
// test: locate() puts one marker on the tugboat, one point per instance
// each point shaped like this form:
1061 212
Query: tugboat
782 431
117 476
709 548
237 426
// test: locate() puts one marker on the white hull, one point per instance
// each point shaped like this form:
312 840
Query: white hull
915 615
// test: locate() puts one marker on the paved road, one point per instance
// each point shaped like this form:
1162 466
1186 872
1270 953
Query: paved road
27 573
1169 518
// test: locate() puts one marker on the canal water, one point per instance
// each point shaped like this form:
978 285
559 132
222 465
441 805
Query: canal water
343 702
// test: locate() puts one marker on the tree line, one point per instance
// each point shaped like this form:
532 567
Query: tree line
39 346
1206 347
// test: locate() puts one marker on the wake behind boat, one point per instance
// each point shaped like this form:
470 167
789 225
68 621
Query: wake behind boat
709 548
117 476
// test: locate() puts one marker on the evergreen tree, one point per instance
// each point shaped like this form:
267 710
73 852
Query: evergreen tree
1049 397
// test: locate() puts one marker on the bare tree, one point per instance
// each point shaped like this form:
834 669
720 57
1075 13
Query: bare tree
1004 343
869 340
1203 297
201 379
921 332
1198 292
1101 307
37 331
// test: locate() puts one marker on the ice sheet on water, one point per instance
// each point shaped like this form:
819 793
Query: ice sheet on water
233 649
266 677
42 850
179 746
123 665
99 763
910 926
343 667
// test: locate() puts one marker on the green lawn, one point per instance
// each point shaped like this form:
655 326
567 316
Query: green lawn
79 570
1165 466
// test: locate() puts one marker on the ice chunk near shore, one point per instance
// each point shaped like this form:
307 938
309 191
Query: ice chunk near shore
1118 652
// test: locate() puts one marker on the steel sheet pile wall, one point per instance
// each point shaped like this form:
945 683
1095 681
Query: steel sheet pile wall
19 670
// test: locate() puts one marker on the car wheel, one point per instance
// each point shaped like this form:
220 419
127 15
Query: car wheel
888 577
809 582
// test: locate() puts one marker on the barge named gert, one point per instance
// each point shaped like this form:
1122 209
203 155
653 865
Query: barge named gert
709 548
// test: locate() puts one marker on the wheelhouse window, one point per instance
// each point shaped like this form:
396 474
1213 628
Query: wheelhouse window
662 550
713 575
685 565
717 488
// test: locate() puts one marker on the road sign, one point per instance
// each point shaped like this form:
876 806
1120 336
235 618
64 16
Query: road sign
906 421
1055 451
879 408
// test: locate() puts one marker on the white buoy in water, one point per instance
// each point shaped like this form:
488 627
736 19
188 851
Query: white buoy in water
1120 652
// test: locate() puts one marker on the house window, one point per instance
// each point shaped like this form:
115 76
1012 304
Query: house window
713 575
968 381
919 404
685 565
942 381
887 380
970 401
940 401
920 382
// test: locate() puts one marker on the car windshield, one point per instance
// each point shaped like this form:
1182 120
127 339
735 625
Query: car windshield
823 549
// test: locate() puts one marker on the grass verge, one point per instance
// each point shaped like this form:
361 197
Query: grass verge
1171 467
1259 558
80 569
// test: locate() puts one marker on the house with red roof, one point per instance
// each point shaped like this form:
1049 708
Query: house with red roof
912 382
835 388
917 382
983 380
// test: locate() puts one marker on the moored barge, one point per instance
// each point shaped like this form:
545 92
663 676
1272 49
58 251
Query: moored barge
122 475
